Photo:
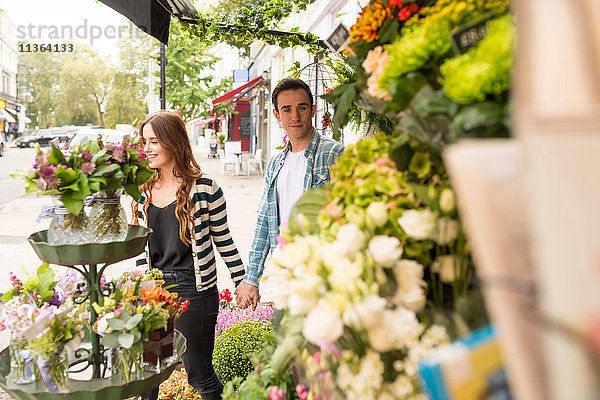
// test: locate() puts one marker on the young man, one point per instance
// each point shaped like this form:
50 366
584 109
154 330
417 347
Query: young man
302 165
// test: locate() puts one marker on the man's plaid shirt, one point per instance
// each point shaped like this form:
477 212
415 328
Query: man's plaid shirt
320 153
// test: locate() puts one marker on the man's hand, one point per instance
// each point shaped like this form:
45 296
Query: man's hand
247 294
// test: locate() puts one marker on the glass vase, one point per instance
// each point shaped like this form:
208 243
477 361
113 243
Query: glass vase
107 217
23 368
159 350
54 369
126 365
68 228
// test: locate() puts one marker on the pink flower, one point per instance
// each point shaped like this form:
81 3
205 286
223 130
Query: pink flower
302 392
47 171
119 154
88 168
384 162
276 393
87 156
334 209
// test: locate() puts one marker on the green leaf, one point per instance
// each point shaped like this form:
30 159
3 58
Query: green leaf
309 205
126 340
133 321
56 156
111 340
116 323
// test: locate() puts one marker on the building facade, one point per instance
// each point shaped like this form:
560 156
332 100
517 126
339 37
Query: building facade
9 106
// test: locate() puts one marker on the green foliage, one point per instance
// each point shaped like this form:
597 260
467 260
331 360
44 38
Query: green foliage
189 88
41 283
255 21
233 348
485 68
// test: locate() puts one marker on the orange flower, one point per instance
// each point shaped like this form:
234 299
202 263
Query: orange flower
155 294
369 21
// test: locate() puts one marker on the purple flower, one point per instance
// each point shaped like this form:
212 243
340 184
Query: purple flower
119 154
142 155
55 300
47 171
87 168
52 182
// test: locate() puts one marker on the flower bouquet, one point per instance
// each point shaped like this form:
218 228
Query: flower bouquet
121 167
131 315
230 314
41 326
67 177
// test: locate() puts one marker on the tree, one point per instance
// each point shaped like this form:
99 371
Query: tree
189 88
38 85
130 84
85 80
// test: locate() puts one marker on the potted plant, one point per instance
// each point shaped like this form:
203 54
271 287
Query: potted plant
221 141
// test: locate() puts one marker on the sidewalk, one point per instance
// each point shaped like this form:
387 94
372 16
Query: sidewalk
17 222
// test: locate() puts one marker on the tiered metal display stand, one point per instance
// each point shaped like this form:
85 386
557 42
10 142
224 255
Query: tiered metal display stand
91 260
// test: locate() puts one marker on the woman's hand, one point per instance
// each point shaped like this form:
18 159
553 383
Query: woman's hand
247 294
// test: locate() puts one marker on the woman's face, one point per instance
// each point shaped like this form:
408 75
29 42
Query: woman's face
158 156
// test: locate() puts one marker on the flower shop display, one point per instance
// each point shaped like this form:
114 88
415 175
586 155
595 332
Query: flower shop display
136 322
230 314
70 176
41 326
234 347
439 70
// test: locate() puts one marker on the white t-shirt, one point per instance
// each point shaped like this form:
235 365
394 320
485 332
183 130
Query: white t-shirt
290 183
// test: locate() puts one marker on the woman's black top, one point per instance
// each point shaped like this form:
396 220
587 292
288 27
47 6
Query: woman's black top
167 251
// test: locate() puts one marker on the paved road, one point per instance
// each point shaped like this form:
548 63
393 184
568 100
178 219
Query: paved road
14 158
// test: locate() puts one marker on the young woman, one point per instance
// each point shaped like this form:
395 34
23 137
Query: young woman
186 212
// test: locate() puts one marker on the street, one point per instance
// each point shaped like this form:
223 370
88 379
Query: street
14 158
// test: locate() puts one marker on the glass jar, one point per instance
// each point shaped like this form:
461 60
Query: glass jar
107 217
68 228
54 369
126 365
23 368
159 350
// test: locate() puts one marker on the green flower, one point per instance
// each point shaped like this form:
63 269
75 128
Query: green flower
420 164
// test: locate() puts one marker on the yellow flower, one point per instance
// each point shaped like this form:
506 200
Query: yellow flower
369 21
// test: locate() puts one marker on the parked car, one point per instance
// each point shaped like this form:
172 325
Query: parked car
44 136
108 135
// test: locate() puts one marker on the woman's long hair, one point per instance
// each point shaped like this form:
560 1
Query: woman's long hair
172 135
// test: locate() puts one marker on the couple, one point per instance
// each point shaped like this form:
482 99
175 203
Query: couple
186 211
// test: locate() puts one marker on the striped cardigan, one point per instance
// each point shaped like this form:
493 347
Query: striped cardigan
209 226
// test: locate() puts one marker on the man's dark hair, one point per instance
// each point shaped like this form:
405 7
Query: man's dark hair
290 84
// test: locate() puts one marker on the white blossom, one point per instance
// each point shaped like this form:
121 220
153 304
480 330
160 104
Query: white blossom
418 224
366 314
323 323
385 250
377 214
449 267
351 237
446 230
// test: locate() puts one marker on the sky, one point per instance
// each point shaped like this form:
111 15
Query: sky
45 21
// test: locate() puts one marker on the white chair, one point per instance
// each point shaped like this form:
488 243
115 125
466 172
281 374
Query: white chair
233 154
227 160
256 160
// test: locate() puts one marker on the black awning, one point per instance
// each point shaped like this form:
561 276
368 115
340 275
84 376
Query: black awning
154 16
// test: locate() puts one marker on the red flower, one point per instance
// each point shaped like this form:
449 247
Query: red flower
395 3
406 12
328 90
225 295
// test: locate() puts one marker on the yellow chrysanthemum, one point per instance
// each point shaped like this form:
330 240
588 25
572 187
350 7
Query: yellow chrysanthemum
369 21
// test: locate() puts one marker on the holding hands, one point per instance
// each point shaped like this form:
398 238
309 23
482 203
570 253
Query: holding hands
247 294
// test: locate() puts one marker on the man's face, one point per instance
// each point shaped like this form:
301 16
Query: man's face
295 113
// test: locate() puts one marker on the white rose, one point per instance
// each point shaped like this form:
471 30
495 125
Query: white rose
350 237
449 267
366 314
304 294
418 224
323 323
446 230
333 254
385 250
409 274
297 253
344 275
29 172
102 328
377 214
414 299
398 329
